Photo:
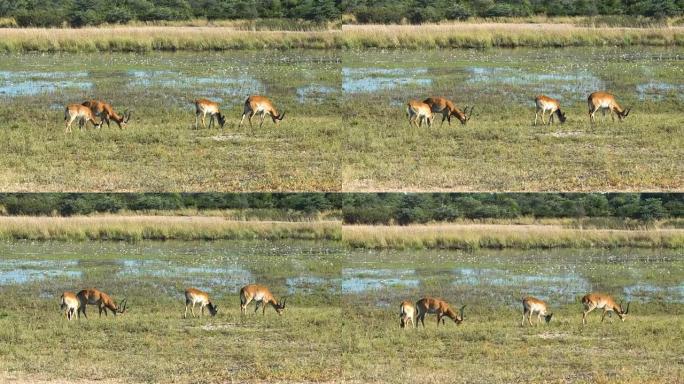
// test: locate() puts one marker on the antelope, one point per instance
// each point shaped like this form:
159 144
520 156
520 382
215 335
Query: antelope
417 110
262 296
106 113
545 103
604 100
592 301
206 107
93 296
532 305
447 108
255 105
69 303
195 296
407 311
440 307
80 112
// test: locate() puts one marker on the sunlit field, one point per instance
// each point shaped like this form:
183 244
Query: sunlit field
161 150
500 149
491 346
152 342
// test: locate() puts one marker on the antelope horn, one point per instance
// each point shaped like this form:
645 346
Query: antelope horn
627 311
461 311
123 304
280 117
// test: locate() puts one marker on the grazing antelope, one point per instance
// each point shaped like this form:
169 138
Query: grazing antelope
603 101
106 113
598 300
545 103
93 296
80 112
417 110
69 303
439 307
206 107
255 105
447 108
262 296
407 311
532 305
195 296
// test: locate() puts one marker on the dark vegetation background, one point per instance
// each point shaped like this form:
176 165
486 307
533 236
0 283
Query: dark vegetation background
78 13
365 208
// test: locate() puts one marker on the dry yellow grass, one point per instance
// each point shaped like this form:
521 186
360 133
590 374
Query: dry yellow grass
472 236
132 228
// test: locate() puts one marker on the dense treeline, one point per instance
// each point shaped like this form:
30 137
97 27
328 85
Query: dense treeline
78 13
68 204
422 208
363 208
420 11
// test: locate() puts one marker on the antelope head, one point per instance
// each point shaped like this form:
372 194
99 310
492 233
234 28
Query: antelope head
213 309
221 119
464 116
548 317
121 308
277 118
624 113
280 307
621 311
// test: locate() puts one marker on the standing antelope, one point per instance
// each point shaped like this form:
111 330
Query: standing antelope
262 296
206 107
447 108
93 296
604 100
439 307
69 303
407 311
83 114
592 301
195 296
532 305
106 113
545 103
417 110
255 105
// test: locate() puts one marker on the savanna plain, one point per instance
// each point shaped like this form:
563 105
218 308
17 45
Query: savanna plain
161 149
500 148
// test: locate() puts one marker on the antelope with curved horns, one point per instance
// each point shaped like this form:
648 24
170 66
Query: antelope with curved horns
195 296
447 108
440 308
69 303
260 105
92 296
261 295
532 305
592 301
604 100
206 107
417 110
106 113
80 112
407 311
545 103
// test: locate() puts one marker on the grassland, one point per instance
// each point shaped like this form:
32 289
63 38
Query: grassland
474 236
494 348
202 36
152 342
160 150
500 149
136 228
508 35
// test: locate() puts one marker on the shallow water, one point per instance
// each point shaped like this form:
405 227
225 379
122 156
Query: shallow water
503 277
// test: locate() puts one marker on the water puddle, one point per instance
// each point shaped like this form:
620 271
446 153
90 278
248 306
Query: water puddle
215 85
647 292
655 90
29 271
314 93
23 83
370 79
307 284
359 280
